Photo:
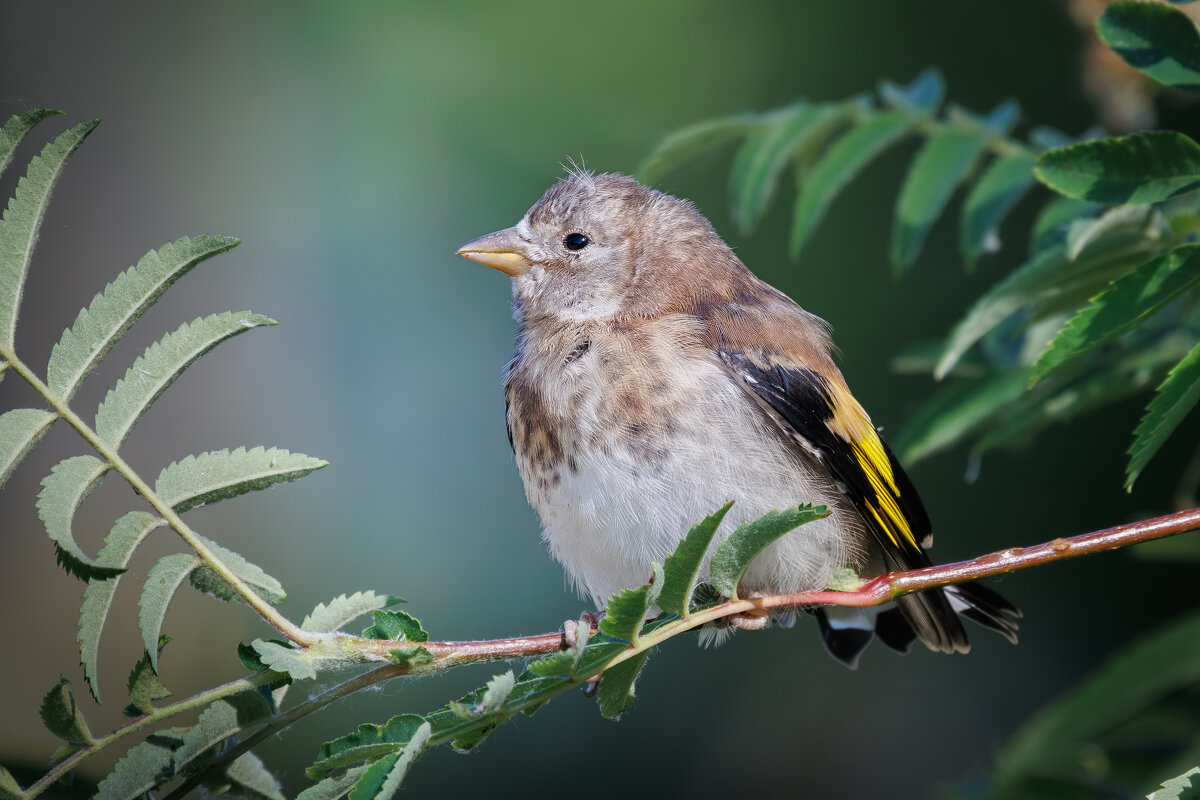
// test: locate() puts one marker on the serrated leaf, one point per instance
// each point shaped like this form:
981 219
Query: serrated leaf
1155 39
69 482
616 692
497 691
395 626
143 767
113 311
412 656
20 431
284 659
1002 185
844 159
208 582
161 582
209 477
250 776
1174 399
627 610
219 721
333 788
126 534
23 218
679 146
1143 220
733 556
63 717
159 366
957 412
143 684
1143 167
1124 305
681 568
1181 787
9 788
368 743
383 778
923 96
342 609
1054 220
14 131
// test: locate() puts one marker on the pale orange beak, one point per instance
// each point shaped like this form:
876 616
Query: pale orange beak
500 250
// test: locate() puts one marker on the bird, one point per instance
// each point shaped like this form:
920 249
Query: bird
655 377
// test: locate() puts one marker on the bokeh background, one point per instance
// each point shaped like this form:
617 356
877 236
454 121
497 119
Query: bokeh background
353 146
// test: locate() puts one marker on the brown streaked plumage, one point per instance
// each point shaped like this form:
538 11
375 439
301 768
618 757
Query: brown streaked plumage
656 377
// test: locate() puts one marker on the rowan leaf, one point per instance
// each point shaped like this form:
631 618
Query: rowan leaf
956 412
681 568
1002 185
627 610
922 97
368 743
143 684
161 582
1181 787
14 131
143 767
1174 399
681 145
342 609
1154 38
209 477
249 776
1145 167
1145 220
733 556
395 626
63 717
616 691
219 721
282 658
69 482
1055 219
383 778
333 788
208 582
20 431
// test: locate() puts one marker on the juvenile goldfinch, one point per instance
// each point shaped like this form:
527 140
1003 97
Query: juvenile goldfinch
656 377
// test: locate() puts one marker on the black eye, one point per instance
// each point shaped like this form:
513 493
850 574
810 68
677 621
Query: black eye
575 241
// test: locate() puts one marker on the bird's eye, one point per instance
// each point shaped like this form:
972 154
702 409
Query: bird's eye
575 241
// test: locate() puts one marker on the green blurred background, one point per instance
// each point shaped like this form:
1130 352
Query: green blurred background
353 146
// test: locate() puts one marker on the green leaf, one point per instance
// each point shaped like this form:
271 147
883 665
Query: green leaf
383 778
219 721
282 658
679 146
1155 39
923 96
767 150
23 218
122 540
368 743
9 788
396 626
1182 787
333 788
161 582
144 685
627 610
343 609
1141 168
733 556
683 566
1174 399
413 656
1054 220
498 690
14 131
208 582
565 662
1123 306
143 767
20 431
1143 220
113 311
209 477
844 160
69 482
63 718
250 776
161 364
616 691
1003 183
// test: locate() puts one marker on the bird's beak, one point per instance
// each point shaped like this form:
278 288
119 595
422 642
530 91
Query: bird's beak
501 250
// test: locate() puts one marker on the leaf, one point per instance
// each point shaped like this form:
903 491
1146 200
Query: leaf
679 146
1003 183
1182 787
333 788
9 788
143 767
69 482
1053 221
23 218
343 609
113 311
767 150
208 582
1155 39
616 690
368 743
627 610
383 778
1174 399
923 96
565 662
1124 305
14 131
412 656
161 582
681 568
198 480
63 718
284 659
844 159
248 774
395 626
161 364
1084 233
144 685
20 431
498 690
122 540
219 721
1144 167
733 556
